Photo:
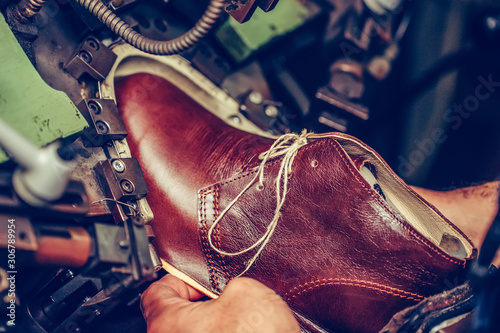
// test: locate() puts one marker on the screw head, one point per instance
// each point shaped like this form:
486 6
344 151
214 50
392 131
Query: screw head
235 119
255 97
85 56
118 165
271 111
138 221
102 127
70 274
94 107
93 43
127 186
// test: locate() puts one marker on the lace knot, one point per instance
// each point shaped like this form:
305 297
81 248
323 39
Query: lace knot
287 146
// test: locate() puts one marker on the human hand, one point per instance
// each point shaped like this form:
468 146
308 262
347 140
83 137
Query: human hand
245 306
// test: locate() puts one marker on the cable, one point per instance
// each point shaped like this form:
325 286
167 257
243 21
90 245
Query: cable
122 29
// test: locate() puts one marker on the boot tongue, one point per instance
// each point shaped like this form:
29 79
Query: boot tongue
367 173
449 243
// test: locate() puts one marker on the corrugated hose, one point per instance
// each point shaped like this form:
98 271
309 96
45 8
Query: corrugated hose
29 8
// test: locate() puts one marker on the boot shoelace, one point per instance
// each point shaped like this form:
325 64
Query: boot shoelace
287 146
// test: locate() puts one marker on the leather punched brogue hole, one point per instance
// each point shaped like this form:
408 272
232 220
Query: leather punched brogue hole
314 163
260 187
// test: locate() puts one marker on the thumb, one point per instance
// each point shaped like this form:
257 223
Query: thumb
166 295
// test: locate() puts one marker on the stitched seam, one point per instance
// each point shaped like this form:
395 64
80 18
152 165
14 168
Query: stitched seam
218 236
213 267
208 255
350 168
423 240
306 287
350 138
219 262
215 188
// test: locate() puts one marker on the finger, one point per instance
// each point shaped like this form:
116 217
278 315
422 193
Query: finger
167 292
184 290
158 298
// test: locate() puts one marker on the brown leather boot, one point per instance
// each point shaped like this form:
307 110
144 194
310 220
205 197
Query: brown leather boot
337 234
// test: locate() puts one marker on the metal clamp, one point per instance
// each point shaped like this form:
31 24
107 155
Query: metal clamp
104 121
124 178
92 58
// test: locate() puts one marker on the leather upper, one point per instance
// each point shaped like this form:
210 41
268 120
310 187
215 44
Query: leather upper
342 256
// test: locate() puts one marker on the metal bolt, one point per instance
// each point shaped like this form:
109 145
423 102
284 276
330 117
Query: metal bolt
118 165
93 44
255 97
123 244
271 111
102 127
138 221
235 119
127 185
70 274
86 56
94 107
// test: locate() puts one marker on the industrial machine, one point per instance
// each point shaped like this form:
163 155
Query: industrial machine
74 218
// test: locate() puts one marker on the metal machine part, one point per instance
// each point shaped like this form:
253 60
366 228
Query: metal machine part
42 175
92 58
29 8
242 10
49 244
383 6
120 264
104 121
268 115
369 45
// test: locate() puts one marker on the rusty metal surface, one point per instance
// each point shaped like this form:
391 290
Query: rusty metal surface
241 10
63 246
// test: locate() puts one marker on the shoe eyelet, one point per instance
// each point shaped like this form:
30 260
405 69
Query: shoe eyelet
260 187
314 163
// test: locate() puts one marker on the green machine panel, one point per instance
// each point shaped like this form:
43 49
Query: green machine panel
27 103
242 40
